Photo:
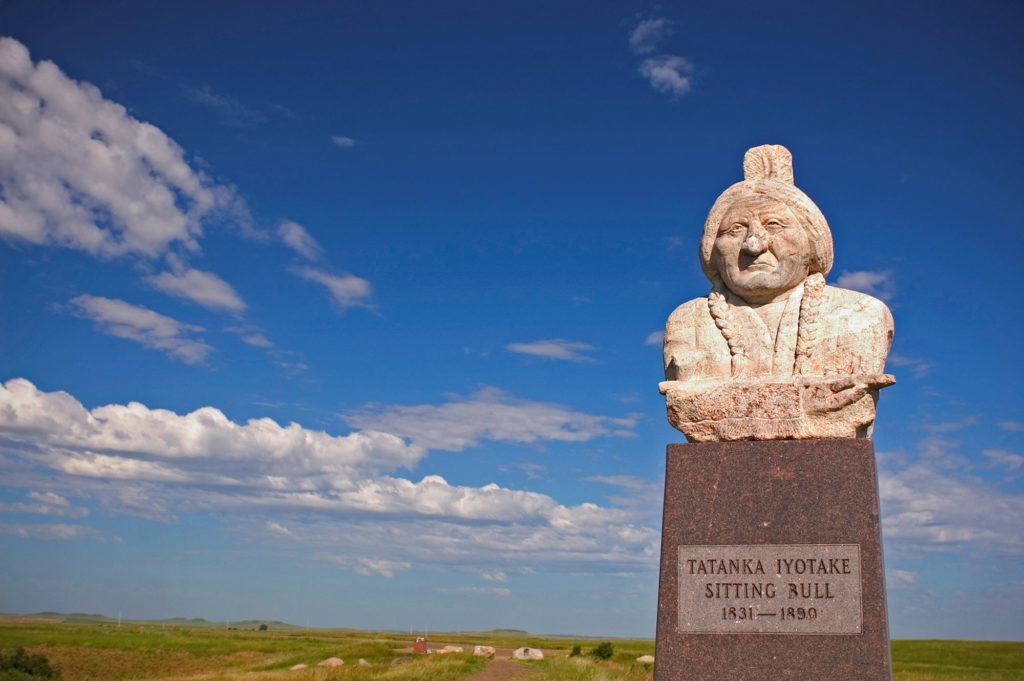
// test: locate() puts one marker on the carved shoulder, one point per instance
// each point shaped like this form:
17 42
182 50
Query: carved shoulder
865 322
693 347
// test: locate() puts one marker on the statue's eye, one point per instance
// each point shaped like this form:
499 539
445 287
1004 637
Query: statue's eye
774 224
734 230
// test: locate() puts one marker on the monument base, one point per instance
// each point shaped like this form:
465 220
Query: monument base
771 563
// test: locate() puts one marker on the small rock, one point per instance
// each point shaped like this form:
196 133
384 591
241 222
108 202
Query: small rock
646 659
525 653
484 651
402 659
332 662
452 649
297 667
362 663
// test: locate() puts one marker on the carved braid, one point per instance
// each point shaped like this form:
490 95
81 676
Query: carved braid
807 330
722 314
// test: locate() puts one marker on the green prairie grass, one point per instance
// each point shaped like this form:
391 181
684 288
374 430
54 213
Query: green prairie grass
137 652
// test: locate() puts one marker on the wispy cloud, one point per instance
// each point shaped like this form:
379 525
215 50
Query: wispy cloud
488 414
498 591
347 290
204 288
153 330
554 348
950 426
874 283
646 35
45 503
668 74
230 110
1001 457
278 529
343 142
299 240
655 338
79 172
900 579
257 340
1013 426
917 366
42 531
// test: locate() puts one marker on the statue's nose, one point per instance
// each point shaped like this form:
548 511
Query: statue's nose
756 243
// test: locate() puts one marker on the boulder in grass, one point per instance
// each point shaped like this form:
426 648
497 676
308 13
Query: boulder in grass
484 651
363 663
332 662
525 653
452 649
645 659
297 667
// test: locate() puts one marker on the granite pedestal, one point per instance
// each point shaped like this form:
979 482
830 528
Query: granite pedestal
771 563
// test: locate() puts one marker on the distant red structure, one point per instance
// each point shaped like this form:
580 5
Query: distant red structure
420 646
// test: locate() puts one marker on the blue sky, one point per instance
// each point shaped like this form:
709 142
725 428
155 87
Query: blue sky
346 315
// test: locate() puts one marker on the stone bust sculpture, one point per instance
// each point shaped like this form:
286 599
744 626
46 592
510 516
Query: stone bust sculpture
772 352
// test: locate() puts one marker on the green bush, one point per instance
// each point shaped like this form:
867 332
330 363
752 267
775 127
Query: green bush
17 665
603 651
576 651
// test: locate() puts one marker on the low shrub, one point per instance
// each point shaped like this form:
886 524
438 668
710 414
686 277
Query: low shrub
603 651
17 665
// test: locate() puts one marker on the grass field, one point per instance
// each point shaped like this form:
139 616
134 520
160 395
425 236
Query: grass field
87 651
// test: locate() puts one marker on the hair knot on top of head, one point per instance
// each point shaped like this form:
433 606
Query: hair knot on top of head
768 162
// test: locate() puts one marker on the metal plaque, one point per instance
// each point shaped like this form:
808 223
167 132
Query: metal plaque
770 589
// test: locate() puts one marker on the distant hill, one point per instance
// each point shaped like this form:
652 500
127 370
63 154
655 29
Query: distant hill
194 622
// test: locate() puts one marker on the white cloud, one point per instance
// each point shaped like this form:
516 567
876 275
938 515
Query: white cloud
40 531
1001 457
494 575
644 38
299 240
1013 426
900 579
343 142
203 446
878 283
668 74
655 338
347 290
77 171
554 348
278 529
499 591
257 340
487 414
934 502
153 330
204 288
330 494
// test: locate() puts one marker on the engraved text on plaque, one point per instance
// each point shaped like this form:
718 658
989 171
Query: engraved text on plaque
770 589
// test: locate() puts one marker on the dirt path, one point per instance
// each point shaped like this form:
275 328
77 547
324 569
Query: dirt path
498 670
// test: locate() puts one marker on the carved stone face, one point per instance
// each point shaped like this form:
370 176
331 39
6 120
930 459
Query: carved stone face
761 251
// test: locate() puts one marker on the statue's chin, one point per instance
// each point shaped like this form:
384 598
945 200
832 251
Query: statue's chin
756 292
